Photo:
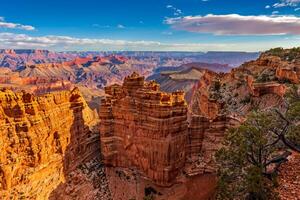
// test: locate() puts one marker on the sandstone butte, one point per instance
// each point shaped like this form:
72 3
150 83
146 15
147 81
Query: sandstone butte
41 138
145 128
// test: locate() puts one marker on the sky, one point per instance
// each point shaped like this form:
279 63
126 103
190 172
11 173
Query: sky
156 25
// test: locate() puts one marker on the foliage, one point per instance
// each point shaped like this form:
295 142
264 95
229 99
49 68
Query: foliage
266 76
217 86
285 54
293 114
244 158
252 152
275 52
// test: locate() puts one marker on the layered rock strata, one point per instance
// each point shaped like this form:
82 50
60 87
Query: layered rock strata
205 138
144 128
41 140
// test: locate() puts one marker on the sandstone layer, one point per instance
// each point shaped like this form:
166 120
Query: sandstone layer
144 128
41 138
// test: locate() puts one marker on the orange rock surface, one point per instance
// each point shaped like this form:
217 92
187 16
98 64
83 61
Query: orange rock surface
201 103
287 74
41 138
144 128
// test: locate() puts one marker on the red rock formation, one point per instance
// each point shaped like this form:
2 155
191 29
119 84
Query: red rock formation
217 107
201 103
261 89
145 128
287 74
204 140
41 138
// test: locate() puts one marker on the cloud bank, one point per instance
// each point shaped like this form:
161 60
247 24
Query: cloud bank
234 24
9 25
61 43
66 43
286 3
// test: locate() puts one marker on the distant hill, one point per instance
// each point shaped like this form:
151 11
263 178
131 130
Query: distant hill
185 77
15 58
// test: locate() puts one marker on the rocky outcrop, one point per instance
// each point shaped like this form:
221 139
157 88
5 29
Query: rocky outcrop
289 74
204 140
272 68
145 128
260 89
202 103
41 138
221 101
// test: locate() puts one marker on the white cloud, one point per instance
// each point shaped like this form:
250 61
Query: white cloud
296 9
275 12
176 11
9 25
17 41
15 26
234 24
286 3
100 26
63 43
268 6
120 26
279 5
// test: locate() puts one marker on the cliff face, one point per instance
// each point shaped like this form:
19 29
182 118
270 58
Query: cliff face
204 140
221 101
144 128
41 138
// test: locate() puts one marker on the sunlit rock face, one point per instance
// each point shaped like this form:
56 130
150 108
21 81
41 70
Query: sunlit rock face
41 138
144 128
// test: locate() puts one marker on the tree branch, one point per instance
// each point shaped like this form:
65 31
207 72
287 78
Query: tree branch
279 159
290 144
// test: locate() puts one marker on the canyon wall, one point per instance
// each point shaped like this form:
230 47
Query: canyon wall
41 140
204 140
144 128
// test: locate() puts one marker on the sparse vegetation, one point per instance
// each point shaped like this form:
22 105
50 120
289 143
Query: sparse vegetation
253 152
266 76
217 86
285 54
275 52
284 81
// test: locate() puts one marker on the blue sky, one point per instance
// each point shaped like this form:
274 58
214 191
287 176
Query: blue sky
187 25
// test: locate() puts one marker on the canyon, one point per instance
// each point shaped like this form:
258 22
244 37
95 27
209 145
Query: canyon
219 101
145 139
